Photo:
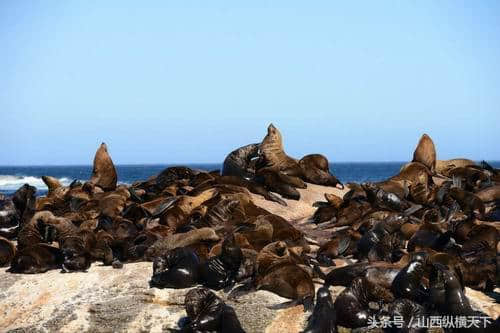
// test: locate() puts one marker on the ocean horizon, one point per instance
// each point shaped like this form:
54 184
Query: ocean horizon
13 177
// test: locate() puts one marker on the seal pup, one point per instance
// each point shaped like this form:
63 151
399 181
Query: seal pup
238 162
9 219
178 269
207 312
322 319
103 172
425 153
7 252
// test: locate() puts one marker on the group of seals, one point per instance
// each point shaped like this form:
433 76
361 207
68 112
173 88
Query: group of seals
419 237
265 167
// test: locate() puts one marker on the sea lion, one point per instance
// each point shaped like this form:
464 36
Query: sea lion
425 153
76 251
52 184
37 258
103 172
252 186
444 166
7 252
351 306
343 243
274 182
410 312
237 163
220 271
9 219
322 319
162 246
290 281
36 230
489 194
274 156
207 312
177 269
24 200
316 170
408 283
258 233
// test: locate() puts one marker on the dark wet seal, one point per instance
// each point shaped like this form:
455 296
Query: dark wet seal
207 312
408 283
238 162
178 269
322 319
352 305
410 312
221 271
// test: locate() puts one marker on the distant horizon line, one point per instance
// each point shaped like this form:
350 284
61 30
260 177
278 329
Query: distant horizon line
191 163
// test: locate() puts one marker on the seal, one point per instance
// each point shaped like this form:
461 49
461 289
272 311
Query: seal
103 172
163 245
76 251
274 156
408 283
36 230
410 312
178 269
25 201
316 170
7 252
207 312
351 306
276 182
38 258
290 281
9 219
221 271
425 153
322 319
238 162
444 166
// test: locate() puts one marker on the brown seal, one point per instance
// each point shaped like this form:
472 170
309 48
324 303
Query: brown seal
274 155
316 170
7 251
444 166
351 306
425 153
103 172
37 258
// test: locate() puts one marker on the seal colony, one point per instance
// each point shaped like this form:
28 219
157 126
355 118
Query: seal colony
413 242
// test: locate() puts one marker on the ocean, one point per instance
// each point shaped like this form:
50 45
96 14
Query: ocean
12 177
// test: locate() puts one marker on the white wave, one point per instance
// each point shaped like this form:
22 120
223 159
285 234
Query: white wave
11 182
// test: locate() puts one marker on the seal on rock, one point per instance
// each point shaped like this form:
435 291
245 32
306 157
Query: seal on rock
425 153
238 162
104 172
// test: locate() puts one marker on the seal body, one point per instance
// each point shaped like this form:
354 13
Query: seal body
103 172
238 162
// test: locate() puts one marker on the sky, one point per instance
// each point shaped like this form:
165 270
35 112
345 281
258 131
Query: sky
190 81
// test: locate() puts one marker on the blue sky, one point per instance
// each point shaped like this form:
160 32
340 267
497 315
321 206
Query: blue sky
189 81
